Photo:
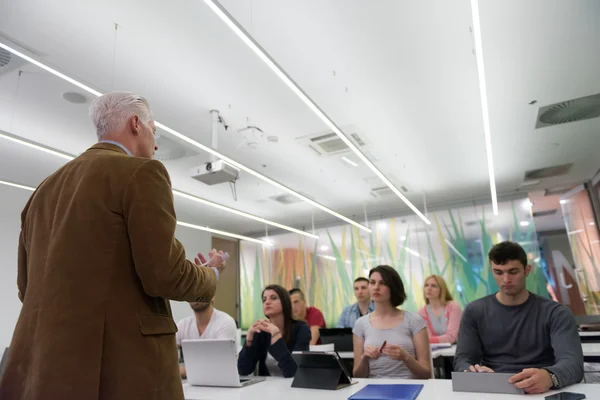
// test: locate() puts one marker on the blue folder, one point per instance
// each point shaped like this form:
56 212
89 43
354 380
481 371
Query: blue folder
388 392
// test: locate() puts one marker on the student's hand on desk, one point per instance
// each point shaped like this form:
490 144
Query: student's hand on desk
395 352
479 368
532 380
371 352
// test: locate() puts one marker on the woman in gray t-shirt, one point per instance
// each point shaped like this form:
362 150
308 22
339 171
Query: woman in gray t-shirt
390 343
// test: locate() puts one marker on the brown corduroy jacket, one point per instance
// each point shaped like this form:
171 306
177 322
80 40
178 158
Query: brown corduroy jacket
98 261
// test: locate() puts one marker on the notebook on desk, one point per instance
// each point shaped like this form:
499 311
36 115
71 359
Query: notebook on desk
388 392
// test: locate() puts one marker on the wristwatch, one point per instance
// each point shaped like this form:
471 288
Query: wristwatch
554 378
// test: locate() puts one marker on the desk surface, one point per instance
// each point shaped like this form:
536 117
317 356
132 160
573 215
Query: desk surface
589 350
278 388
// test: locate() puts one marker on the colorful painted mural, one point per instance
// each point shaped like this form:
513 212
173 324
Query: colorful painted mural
584 237
455 246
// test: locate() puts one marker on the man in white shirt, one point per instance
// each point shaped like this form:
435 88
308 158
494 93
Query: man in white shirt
206 323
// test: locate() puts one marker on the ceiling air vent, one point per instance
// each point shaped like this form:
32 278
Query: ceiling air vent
9 62
569 111
548 172
328 143
383 191
287 199
544 213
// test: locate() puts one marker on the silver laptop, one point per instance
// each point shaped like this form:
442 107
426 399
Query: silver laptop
483 382
213 362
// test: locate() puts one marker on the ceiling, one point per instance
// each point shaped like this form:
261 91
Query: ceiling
400 74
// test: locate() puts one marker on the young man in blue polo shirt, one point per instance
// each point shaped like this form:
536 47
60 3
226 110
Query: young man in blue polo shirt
363 304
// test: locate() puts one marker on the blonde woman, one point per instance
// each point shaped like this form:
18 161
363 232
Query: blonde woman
441 313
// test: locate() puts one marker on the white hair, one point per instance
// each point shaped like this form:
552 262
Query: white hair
110 112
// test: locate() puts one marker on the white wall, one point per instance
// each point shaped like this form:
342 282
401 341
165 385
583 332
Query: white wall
12 202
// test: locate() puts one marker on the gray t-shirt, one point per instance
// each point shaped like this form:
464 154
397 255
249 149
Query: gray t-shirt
539 333
400 335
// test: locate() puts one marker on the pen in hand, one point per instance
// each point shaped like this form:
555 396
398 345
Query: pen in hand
383 346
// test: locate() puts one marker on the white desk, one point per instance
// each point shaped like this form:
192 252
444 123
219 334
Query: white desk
278 388
589 350
589 333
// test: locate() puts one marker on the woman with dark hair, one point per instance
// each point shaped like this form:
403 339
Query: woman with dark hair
389 342
271 341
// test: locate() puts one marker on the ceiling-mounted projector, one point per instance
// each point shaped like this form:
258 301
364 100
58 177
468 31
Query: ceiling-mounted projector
215 172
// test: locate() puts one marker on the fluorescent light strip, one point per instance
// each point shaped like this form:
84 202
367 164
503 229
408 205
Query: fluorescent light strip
193 142
455 250
17 185
202 228
36 146
262 54
218 232
242 213
484 102
175 192
349 161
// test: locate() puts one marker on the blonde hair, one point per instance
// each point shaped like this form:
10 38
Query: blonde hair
445 295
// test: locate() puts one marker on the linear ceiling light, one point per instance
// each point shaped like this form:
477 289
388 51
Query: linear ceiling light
202 228
36 146
16 185
191 141
484 102
267 59
242 213
218 232
175 192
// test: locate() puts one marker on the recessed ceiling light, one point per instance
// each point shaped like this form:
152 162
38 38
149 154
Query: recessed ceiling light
268 60
74 97
563 201
189 140
324 248
349 161
524 223
592 223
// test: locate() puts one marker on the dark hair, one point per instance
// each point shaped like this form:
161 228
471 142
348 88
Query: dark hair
361 279
507 251
286 308
394 283
297 290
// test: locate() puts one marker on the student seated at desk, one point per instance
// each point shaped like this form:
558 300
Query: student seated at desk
363 304
390 343
516 331
441 313
206 323
311 315
270 342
